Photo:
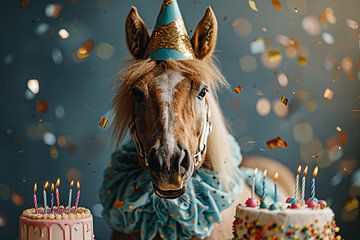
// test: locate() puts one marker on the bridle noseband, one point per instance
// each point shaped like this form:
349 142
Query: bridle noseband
207 128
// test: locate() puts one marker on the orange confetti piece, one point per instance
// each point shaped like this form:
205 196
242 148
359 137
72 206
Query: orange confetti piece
328 94
42 106
103 122
276 142
17 199
277 4
85 49
118 204
238 89
351 204
252 5
284 100
302 60
327 16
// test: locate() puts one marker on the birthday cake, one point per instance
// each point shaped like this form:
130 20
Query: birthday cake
284 223
57 224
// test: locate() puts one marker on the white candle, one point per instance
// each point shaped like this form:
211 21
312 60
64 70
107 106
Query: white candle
297 183
70 195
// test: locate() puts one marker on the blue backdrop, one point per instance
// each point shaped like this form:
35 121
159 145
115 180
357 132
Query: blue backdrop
55 133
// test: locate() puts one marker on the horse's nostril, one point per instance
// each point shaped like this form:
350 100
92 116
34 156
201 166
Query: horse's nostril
154 161
184 162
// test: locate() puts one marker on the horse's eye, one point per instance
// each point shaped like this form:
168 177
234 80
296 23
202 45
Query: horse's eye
138 94
203 92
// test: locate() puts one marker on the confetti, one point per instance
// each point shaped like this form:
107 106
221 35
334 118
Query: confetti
279 109
336 180
257 46
327 16
338 129
276 142
277 4
328 94
284 100
302 60
41 29
252 5
328 38
274 55
238 89
103 122
106 119
311 25
59 112
105 51
63 33
85 49
17 199
241 27
54 154
49 138
33 86
263 106
42 106
53 10
356 178
57 56
283 80
61 141
351 204
352 24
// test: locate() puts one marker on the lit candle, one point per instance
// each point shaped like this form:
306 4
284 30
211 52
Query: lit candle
35 199
313 183
276 177
253 183
303 185
77 196
44 194
70 195
263 185
297 183
52 197
57 194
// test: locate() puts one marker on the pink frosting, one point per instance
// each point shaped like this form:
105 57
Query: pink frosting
47 223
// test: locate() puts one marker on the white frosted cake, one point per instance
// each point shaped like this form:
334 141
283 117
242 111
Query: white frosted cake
285 222
56 225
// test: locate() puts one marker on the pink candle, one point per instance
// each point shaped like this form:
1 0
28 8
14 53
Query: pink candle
57 194
35 200
77 196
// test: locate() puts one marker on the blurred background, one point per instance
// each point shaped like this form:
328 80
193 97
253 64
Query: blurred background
293 66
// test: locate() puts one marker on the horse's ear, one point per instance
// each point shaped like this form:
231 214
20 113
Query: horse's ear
205 35
137 36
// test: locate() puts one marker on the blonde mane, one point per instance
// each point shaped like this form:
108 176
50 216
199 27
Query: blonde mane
218 147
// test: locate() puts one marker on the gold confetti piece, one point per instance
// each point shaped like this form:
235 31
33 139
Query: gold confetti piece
352 24
276 142
103 122
252 5
284 100
274 55
238 89
42 106
277 4
338 129
351 204
328 94
327 16
302 60
85 49
54 152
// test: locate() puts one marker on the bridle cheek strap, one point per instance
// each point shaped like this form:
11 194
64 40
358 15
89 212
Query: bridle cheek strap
207 128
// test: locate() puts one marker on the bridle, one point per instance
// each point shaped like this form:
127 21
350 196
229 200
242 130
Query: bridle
207 128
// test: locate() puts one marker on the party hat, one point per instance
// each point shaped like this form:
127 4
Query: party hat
169 39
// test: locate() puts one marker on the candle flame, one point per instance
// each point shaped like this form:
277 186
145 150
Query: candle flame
255 171
35 187
299 169
46 185
52 187
276 177
315 171
71 183
78 185
57 183
306 170
265 172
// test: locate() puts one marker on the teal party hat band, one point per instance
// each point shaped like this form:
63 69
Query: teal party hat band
170 40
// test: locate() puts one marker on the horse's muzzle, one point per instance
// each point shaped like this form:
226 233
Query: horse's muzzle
169 194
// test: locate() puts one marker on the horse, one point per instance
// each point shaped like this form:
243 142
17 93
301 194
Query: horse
170 107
